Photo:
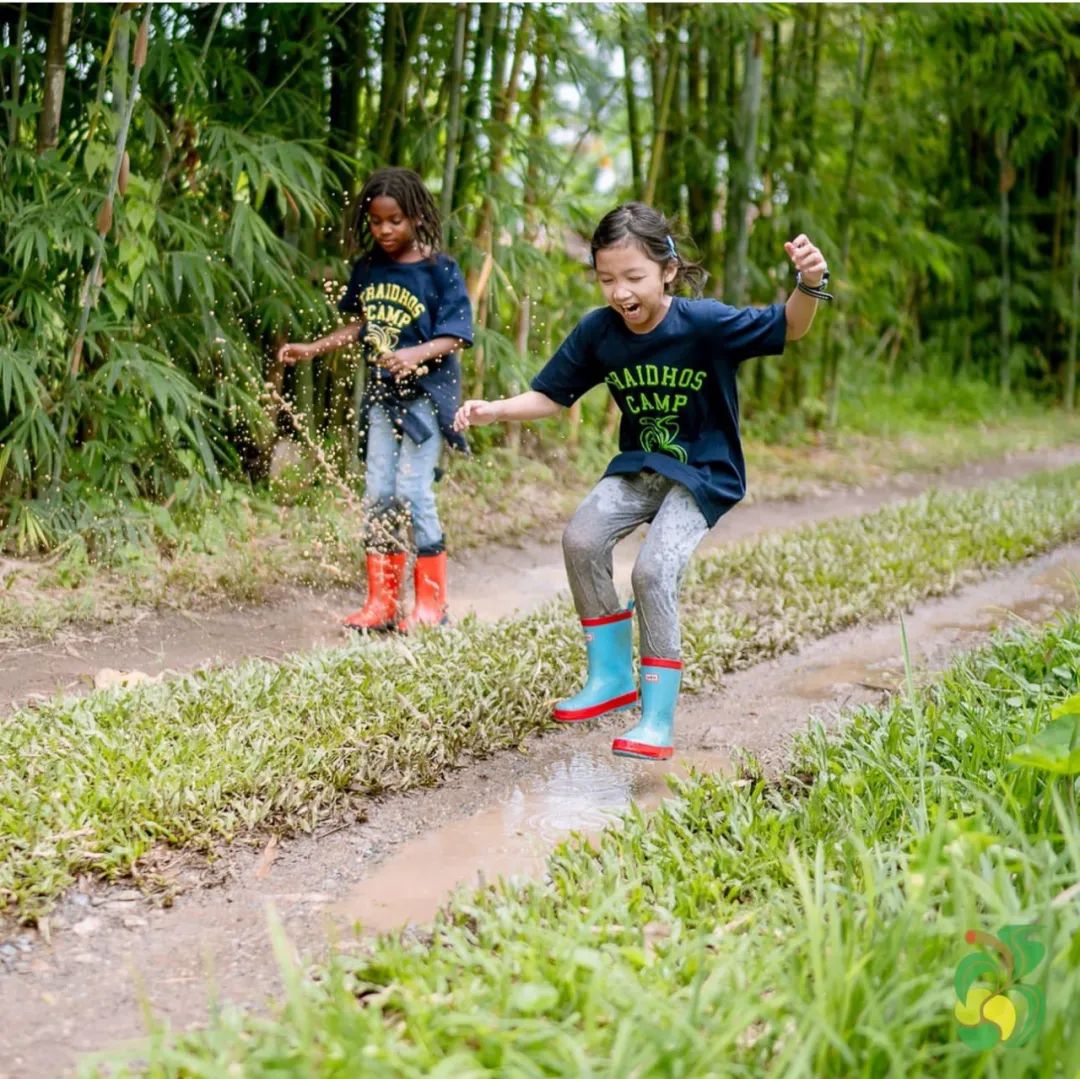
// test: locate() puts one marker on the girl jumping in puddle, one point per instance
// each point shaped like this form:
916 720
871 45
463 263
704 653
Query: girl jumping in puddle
670 364
414 316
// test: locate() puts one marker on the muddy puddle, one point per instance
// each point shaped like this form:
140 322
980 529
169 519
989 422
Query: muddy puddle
513 838
1054 589
1065 575
822 683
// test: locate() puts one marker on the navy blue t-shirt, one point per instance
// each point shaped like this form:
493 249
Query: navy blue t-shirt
675 387
406 304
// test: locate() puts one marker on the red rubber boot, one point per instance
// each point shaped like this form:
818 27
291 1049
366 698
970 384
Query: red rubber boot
429 581
385 573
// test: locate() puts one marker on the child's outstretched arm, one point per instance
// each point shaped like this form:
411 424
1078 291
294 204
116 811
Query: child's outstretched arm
529 405
800 307
292 351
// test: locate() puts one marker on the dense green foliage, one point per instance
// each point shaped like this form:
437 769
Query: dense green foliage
95 783
929 150
803 927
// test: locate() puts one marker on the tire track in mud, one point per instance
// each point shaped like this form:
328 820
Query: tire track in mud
490 582
112 952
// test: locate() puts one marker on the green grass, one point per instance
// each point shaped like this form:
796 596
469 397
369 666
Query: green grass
93 784
242 546
809 927
919 429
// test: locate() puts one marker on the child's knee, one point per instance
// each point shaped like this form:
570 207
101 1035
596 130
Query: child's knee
579 542
651 577
418 494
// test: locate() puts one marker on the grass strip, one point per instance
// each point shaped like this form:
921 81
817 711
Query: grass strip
92 784
807 928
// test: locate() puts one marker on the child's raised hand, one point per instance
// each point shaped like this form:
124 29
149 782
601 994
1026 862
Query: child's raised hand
291 353
474 414
807 259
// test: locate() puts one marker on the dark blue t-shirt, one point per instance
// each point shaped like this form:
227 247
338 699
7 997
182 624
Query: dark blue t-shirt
406 304
675 387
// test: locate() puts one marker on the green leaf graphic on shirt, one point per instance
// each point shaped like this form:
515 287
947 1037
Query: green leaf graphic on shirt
658 434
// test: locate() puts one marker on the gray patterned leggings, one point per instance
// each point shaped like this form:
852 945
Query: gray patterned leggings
612 510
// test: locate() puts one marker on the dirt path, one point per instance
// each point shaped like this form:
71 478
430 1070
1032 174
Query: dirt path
111 953
491 582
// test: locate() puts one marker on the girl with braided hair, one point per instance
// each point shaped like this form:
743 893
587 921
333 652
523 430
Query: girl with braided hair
414 316
670 363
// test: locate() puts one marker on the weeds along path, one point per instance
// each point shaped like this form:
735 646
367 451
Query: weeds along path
111 953
491 583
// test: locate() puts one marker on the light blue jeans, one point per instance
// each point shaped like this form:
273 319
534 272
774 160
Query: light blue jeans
400 482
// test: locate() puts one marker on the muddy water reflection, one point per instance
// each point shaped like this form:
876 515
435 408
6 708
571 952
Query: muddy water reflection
822 683
1065 577
583 793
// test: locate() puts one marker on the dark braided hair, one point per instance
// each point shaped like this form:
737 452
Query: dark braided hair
655 235
407 189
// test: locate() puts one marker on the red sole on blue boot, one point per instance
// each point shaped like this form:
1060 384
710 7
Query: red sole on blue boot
576 715
623 747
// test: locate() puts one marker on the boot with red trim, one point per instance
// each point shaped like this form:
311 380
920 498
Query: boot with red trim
609 686
385 573
429 584
651 739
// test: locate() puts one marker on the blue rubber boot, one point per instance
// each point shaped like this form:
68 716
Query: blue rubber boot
651 738
610 682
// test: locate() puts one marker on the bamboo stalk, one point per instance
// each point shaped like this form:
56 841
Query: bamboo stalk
632 122
92 284
864 74
657 155
479 285
119 71
1070 362
484 235
93 278
16 77
697 164
48 132
1005 175
482 47
534 112
106 56
174 137
446 195
742 173
395 94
